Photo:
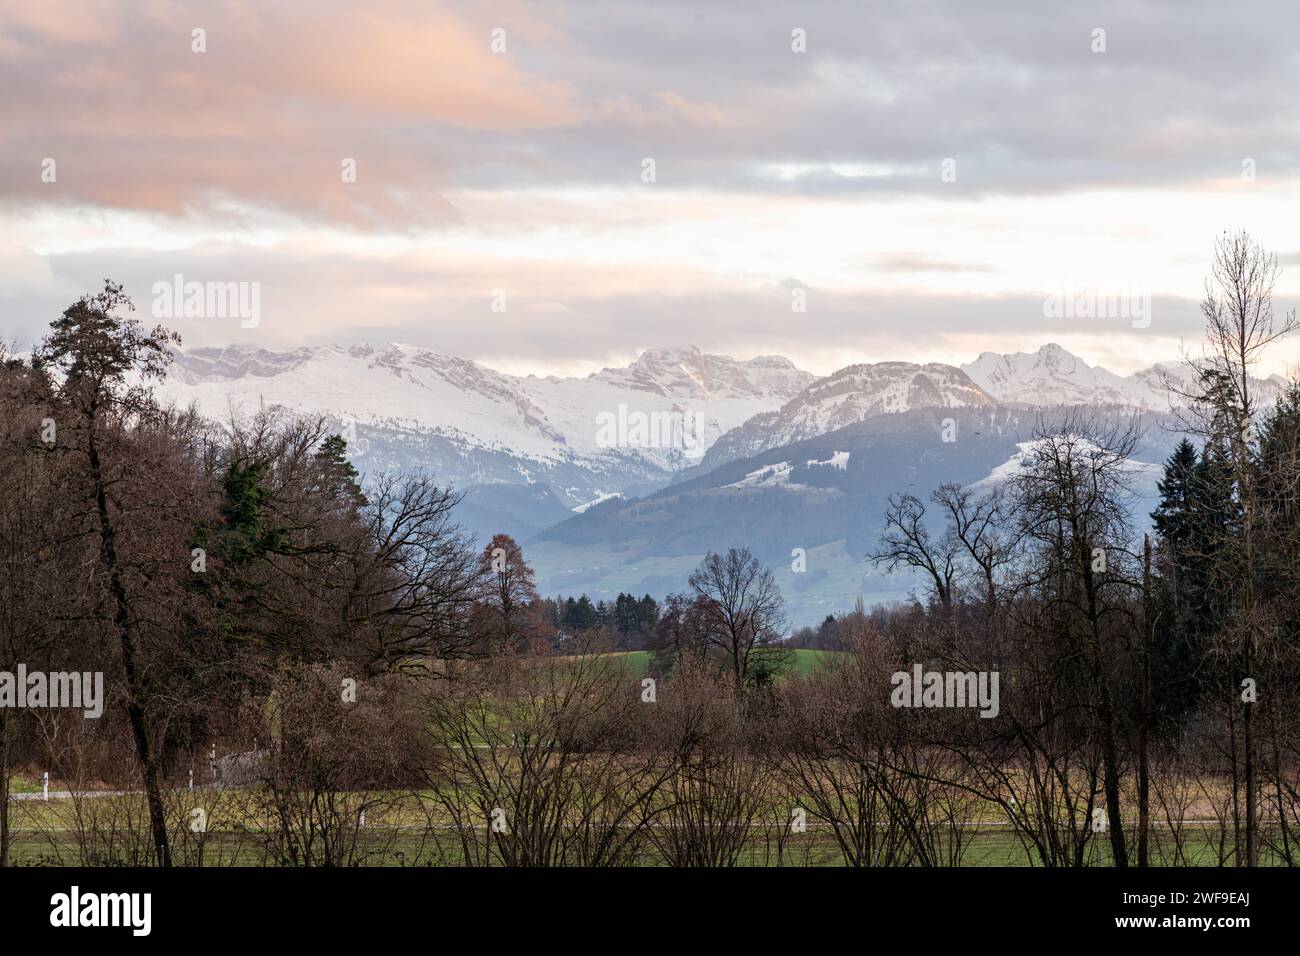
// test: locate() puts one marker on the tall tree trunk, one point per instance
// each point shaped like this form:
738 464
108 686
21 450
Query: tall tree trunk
130 659
1144 725
1110 777
1248 717
1105 708
1235 764
1284 826
1248 742
4 789
1249 601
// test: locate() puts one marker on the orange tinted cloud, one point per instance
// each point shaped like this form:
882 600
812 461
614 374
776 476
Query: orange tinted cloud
267 115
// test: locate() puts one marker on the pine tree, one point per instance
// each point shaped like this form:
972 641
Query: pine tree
1174 515
649 612
338 473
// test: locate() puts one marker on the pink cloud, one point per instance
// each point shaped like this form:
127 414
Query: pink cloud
266 116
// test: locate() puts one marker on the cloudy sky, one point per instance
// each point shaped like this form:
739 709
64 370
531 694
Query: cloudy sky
924 174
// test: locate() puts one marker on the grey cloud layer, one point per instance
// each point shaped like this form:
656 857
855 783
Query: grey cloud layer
446 134
1012 91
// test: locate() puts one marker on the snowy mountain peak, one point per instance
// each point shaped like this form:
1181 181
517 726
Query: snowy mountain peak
668 354
687 373
233 362
847 397
896 387
1054 376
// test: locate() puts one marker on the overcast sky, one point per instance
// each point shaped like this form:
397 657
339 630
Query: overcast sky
775 171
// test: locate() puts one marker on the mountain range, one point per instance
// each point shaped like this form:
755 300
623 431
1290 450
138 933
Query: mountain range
404 407
622 479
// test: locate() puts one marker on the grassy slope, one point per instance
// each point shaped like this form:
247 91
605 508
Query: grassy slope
805 661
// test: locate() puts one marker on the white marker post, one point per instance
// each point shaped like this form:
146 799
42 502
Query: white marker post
47 784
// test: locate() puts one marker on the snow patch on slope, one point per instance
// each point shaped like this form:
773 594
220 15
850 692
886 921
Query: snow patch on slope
769 476
1141 474
839 459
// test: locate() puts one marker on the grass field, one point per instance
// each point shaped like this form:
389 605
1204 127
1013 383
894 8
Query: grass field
412 829
24 784
413 847
805 661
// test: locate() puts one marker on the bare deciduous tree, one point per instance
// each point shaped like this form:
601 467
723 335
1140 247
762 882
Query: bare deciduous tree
741 608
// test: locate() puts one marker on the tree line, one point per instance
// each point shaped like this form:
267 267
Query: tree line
382 688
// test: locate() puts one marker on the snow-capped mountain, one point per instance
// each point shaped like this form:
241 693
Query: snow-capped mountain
1053 376
851 395
688 373
673 413
404 406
